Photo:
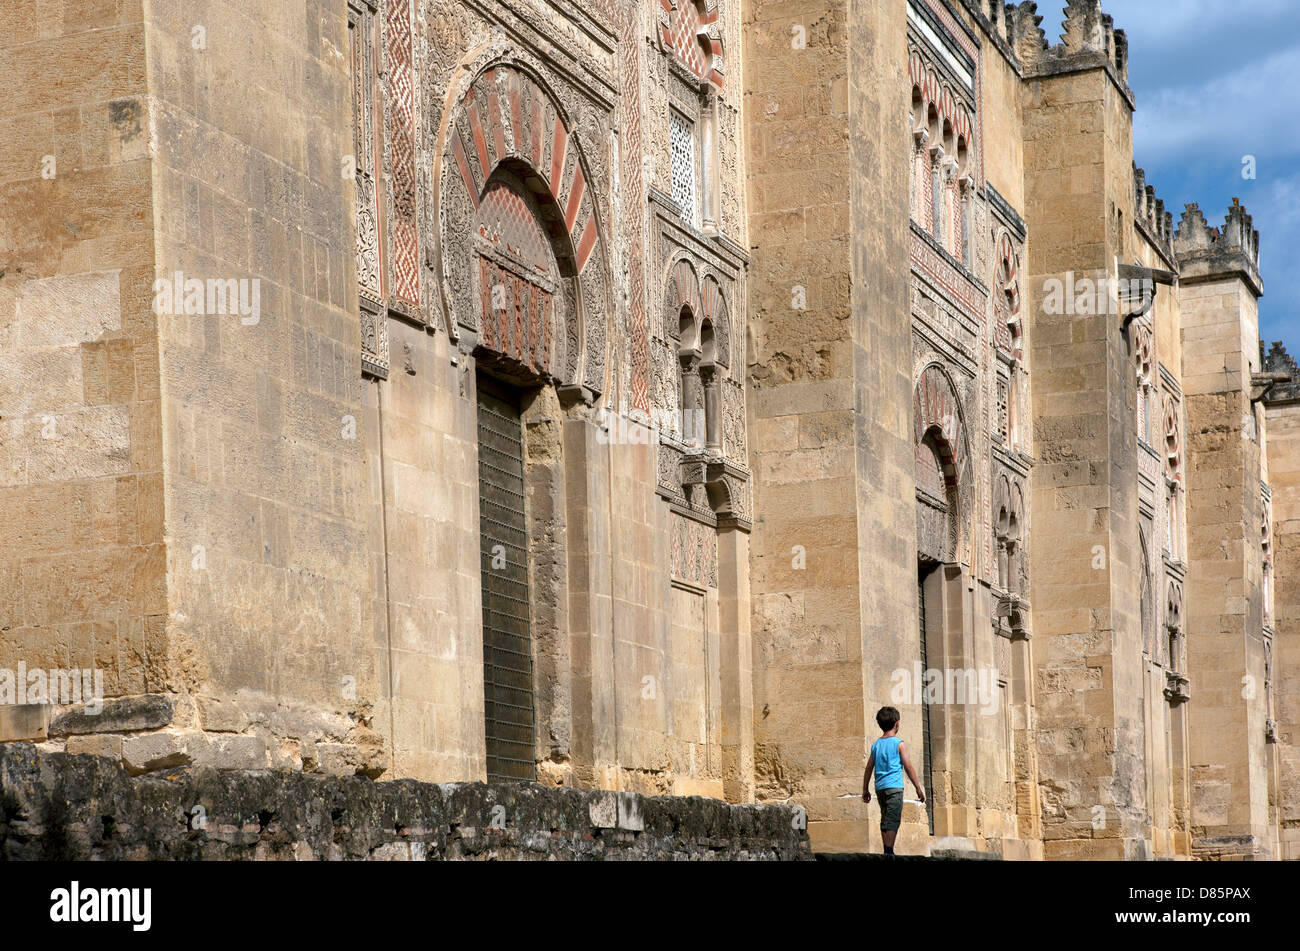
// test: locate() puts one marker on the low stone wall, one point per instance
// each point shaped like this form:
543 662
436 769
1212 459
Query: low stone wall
59 806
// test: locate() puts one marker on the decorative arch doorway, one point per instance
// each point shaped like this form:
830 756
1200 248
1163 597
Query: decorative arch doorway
521 269
942 509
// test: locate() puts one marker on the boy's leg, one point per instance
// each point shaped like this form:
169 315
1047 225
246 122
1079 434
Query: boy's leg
891 809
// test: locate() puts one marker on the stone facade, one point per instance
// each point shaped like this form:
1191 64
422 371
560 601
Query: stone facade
635 396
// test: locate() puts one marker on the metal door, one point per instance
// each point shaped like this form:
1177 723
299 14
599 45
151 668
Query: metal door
927 750
503 548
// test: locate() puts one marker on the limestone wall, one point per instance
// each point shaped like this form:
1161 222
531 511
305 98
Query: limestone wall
81 487
1157 358
421 435
1087 638
1230 782
264 471
258 262
831 403
638 591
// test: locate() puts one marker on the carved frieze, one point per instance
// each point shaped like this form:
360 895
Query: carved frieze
399 68
734 420
364 166
693 552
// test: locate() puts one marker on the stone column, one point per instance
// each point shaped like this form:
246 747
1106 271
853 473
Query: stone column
834 546
1089 734
712 406
693 432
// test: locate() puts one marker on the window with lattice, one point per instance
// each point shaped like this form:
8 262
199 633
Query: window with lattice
685 193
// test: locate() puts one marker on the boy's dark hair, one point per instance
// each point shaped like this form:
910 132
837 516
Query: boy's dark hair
887 718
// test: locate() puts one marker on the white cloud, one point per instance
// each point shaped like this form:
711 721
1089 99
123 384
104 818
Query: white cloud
1251 110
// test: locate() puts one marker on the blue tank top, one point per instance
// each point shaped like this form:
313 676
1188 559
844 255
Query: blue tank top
889 765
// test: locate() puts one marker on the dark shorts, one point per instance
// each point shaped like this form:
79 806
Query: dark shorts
891 808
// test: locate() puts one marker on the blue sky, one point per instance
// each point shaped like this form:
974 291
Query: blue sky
1217 80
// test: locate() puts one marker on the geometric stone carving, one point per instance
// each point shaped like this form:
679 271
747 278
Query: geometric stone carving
1173 440
1177 688
1006 300
942 464
930 93
693 553
400 69
1008 527
681 291
367 136
728 489
733 421
690 301
1173 606
690 33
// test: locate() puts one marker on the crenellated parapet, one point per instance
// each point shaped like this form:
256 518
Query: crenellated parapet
1007 25
1207 253
1025 32
1088 39
1150 214
1277 361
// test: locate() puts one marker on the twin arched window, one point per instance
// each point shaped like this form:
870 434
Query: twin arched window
697 321
1007 536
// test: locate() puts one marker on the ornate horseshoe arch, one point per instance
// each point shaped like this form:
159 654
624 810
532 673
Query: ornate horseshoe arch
943 468
681 292
713 306
518 247
1006 300
700 293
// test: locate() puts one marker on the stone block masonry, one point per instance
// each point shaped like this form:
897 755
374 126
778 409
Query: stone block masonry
55 806
377 524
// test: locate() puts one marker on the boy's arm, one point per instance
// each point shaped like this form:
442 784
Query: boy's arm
911 773
866 777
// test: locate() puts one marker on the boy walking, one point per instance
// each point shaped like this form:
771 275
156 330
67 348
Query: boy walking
888 761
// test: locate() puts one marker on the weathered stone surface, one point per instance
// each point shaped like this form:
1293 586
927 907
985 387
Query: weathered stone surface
221 716
123 715
228 752
52 806
142 754
25 721
96 744
603 810
629 812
